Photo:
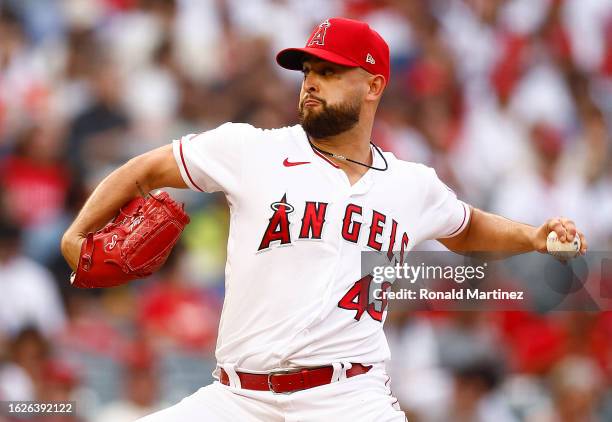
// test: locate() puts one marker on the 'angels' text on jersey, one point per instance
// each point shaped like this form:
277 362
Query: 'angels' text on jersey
312 222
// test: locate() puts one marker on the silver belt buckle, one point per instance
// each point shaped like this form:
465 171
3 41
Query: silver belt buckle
279 372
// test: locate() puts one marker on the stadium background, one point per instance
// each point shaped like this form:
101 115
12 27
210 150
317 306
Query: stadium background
510 101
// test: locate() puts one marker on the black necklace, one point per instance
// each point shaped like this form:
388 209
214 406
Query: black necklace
342 157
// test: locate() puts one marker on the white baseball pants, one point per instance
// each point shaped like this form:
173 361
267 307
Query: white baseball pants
362 398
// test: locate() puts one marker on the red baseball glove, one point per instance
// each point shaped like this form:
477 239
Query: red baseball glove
134 245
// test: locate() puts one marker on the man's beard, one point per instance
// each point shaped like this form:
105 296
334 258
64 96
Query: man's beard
330 120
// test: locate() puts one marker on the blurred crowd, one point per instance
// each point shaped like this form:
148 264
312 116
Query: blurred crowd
509 100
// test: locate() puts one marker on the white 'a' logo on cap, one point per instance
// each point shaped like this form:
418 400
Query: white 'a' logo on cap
319 36
370 59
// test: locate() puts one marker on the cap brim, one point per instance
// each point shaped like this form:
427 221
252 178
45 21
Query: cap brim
292 58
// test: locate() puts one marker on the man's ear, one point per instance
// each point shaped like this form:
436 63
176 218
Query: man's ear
376 87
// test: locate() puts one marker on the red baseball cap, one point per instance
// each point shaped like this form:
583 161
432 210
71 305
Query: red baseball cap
345 42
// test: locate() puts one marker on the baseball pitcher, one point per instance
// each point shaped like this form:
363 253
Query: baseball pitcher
296 341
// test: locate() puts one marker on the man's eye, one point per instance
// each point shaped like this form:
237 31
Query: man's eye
328 72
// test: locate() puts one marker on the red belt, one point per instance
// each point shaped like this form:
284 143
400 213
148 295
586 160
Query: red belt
291 380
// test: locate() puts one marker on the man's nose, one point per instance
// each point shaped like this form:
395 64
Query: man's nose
311 83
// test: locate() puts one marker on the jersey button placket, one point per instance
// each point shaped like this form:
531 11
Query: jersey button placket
342 200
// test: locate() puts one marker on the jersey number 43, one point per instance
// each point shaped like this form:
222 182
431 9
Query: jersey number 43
360 300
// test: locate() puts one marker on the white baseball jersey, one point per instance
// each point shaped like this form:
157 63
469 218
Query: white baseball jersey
294 289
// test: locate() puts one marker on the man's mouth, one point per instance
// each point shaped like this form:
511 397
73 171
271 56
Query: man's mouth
311 102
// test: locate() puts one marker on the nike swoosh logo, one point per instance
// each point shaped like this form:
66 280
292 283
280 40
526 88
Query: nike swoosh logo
288 163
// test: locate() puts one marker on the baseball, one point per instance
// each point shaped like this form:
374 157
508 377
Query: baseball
565 250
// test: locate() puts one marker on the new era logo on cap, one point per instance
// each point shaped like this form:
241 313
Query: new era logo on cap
345 42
